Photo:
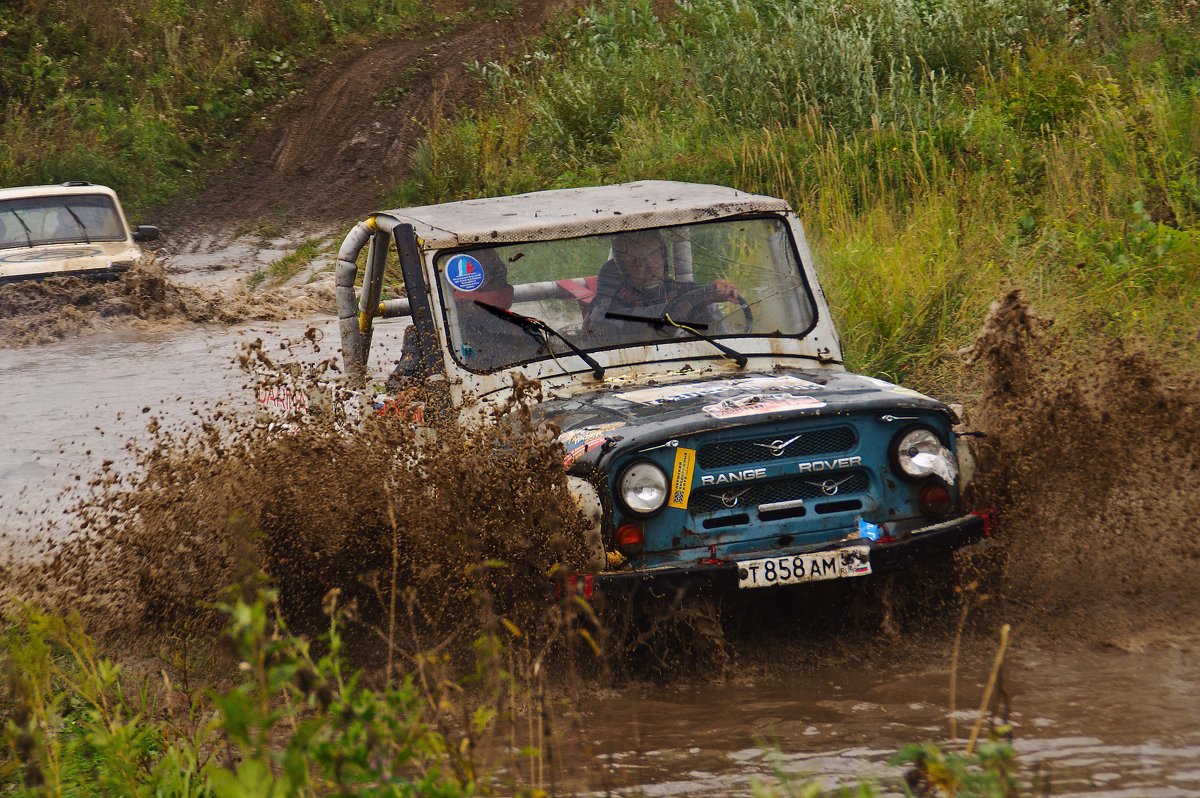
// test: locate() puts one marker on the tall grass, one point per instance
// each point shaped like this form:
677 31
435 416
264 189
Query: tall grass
137 93
940 152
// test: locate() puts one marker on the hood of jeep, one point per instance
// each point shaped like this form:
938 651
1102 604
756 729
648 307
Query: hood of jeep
54 259
596 425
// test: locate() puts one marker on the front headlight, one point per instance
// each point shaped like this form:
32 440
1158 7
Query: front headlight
919 453
642 487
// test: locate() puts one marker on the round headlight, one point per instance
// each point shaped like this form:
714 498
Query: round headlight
642 487
919 453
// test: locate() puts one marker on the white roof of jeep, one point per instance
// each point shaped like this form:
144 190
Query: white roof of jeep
57 190
575 212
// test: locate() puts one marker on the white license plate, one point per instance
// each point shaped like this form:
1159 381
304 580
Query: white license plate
797 568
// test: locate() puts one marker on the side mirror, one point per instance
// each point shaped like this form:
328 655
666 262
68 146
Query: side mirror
145 232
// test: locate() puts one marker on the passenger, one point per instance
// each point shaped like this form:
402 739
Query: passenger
62 226
635 281
486 342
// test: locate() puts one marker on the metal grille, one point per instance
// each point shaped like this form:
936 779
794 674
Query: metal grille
741 496
756 450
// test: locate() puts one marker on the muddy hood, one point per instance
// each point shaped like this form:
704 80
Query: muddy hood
601 424
65 259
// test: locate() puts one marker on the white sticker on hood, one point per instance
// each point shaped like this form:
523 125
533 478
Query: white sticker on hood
678 393
759 404
574 437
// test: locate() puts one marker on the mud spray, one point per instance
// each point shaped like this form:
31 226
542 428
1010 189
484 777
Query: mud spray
1092 460
57 308
436 531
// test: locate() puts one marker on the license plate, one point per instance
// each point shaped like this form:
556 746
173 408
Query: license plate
797 568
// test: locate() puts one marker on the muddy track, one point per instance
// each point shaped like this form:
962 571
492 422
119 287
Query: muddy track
331 156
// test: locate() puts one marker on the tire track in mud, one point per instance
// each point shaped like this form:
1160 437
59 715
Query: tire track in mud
330 157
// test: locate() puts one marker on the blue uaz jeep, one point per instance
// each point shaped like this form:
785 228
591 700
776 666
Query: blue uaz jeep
686 352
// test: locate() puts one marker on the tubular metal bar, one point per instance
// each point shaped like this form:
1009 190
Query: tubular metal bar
372 282
528 292
355 345
354 349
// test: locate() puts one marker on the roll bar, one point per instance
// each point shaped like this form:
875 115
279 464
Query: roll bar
356 313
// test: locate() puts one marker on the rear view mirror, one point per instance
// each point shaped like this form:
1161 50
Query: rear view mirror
145 232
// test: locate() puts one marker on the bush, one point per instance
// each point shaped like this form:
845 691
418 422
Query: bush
940 153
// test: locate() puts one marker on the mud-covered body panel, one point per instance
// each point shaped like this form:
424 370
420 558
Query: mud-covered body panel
695 435
777 463
633 417
95 259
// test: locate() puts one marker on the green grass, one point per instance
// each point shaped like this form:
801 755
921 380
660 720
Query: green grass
273 713
141 94
939 152
291 264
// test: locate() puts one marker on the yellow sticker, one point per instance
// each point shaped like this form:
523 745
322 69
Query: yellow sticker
681 477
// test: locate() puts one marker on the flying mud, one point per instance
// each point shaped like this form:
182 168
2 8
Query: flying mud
57 308
1092 461
434 531
1089 458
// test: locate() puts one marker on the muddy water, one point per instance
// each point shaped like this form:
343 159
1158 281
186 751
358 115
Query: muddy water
1099 722
68 407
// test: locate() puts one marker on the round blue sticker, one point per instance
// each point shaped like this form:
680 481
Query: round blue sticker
464 273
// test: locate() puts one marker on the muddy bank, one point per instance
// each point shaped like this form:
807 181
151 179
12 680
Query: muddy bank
59 308
334 154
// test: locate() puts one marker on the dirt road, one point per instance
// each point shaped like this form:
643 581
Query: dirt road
330 157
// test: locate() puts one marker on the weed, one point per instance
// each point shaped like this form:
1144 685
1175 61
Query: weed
939 154
290 264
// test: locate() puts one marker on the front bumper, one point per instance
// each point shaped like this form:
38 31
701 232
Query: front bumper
919 545
98 274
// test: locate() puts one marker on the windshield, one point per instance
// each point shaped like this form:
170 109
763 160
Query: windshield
69 219
717 279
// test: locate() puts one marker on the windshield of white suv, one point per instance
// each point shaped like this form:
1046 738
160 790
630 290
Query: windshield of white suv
63 219
717 279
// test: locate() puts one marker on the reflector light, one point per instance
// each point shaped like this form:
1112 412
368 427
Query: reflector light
935 499
630 535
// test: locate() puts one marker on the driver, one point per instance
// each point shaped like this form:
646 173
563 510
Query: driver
635 281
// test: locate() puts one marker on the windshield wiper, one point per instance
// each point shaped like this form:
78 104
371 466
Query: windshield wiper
28 232
79 222
665 320
535 326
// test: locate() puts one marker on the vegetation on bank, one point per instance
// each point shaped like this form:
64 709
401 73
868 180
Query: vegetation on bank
278 715
940 151
136 94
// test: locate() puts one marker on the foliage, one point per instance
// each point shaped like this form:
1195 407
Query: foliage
989 772
136 94
293 721
940 152
291 264
282 716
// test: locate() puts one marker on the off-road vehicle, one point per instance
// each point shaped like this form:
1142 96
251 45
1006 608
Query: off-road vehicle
76 229
686 352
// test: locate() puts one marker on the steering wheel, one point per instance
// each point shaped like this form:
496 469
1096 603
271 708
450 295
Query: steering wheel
690 306
747 315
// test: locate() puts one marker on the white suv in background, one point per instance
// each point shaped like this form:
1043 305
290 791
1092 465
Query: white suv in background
76 229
